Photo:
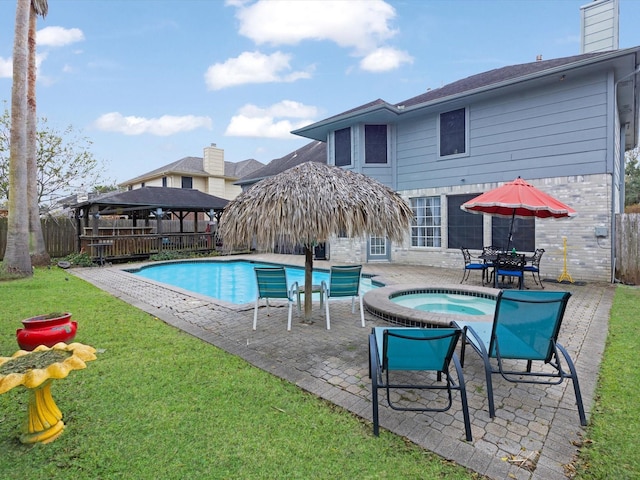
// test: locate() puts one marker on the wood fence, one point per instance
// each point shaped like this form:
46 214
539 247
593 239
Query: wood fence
627 269
60 236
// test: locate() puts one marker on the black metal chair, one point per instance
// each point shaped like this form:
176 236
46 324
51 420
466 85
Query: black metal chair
490 255
509 265
534 267
470 265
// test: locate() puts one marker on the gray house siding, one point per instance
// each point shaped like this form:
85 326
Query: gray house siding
384 173
563 131
563 125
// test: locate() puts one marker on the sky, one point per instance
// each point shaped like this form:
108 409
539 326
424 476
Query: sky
149 82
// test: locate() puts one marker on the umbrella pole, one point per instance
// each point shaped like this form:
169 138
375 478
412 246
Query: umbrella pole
308 282
513 216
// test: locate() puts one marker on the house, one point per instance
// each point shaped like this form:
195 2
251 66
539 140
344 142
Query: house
312 152
562 124
209 174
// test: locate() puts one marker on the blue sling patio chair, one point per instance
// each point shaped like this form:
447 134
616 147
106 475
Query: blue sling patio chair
525 328
423 350
272 283
344 281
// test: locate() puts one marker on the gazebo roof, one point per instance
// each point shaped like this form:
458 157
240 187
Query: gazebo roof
152 198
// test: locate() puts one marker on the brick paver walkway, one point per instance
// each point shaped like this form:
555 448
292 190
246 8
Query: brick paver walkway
535 426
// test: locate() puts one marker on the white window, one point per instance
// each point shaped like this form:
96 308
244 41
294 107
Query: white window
426 229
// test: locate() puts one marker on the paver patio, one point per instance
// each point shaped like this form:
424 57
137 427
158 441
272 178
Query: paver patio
535 426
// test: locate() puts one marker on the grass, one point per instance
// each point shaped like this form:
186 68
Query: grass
611 449
158 403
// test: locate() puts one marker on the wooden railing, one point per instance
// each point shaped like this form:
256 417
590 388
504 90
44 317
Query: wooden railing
124 247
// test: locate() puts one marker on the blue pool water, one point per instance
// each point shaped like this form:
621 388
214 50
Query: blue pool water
231 281
447 303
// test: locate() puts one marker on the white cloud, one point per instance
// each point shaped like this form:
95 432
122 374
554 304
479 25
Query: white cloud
162 126
358 24
285 108
252 67
274 121
384 59
58 36
6 67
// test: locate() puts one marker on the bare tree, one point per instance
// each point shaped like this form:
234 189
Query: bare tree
64 161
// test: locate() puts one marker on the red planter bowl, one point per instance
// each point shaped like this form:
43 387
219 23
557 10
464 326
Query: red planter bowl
46 330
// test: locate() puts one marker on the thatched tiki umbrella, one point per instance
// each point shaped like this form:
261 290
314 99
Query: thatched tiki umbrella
306 205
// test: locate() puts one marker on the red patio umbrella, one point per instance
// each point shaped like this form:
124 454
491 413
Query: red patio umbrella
518 199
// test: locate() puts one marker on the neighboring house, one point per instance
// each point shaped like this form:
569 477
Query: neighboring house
562 125
209 174
311 152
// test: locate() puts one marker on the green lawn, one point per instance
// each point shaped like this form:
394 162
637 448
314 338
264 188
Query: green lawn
160 404
611 447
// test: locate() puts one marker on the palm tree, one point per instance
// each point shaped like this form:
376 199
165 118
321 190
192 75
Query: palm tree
16 257
37 247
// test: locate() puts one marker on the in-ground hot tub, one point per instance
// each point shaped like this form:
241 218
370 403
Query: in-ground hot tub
427 306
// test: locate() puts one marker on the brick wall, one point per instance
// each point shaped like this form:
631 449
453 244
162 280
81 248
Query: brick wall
588 256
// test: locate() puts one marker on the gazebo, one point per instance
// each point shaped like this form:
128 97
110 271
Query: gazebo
142 234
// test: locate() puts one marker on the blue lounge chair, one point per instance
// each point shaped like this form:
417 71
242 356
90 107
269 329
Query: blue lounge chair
272 283
344 281
415 349
525 327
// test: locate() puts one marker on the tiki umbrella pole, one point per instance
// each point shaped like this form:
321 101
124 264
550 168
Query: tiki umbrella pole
308 281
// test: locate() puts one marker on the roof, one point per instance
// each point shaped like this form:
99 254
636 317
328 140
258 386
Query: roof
194 166
151 198
493 77
385 112
312 152
241 169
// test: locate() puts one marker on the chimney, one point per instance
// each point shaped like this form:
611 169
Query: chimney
213 161
599 23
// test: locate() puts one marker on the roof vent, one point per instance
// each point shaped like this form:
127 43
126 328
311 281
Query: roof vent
538 58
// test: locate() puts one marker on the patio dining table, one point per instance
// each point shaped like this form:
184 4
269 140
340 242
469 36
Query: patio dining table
490 259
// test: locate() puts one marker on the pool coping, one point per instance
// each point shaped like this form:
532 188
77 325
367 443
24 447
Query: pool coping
378 302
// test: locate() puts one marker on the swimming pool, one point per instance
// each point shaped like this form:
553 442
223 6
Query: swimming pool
230 281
